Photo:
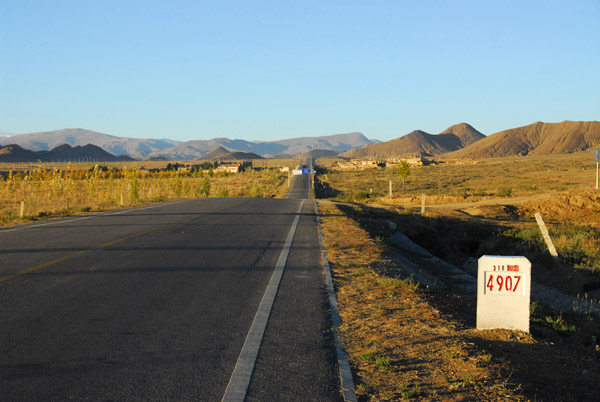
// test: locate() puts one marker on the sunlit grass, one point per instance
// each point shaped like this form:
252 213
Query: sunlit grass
40 193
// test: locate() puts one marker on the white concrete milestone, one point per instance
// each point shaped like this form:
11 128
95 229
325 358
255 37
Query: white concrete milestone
503 292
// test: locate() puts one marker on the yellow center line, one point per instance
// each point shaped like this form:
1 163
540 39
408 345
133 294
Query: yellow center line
102 246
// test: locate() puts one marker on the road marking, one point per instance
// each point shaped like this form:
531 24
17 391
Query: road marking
291 188
240 378
101 247
89 217
142 208
45 224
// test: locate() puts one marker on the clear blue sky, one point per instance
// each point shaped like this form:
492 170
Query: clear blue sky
265 70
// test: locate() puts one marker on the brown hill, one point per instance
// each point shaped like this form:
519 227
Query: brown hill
239 156
535 139
92 153
230 156
14 153
465 133
422 143
215 153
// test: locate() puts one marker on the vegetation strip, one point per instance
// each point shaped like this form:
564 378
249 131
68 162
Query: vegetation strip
347 382
240 378
72 188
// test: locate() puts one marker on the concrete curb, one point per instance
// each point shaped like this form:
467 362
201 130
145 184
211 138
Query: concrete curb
347 382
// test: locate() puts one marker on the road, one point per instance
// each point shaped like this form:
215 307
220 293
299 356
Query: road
155 303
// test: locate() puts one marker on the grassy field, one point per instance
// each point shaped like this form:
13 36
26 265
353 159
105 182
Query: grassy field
40 192
504 177
405 344
560 187
6 167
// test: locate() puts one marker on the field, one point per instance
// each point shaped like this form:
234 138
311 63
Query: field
408 342
471 209
490 195
475 180
31 192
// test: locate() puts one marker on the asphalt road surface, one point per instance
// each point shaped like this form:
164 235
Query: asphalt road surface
155 303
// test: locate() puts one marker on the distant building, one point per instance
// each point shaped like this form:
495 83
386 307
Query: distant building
231 168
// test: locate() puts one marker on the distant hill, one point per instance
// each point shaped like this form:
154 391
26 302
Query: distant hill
4 134
197 149
14 153
44 141
535 139
336 142
215 153
320 153
238 156
420 142
230 156
150 148
65 152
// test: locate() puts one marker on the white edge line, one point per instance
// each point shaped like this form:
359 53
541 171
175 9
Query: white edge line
287 197
90 216
240 378
347 382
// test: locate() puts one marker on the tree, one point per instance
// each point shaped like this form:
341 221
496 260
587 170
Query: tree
403 171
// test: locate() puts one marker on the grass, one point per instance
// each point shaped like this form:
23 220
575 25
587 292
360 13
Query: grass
393 336
576 244
383 364
44 193
502 177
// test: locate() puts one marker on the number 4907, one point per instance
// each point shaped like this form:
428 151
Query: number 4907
502 282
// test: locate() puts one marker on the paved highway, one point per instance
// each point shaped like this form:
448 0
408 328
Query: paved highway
156 303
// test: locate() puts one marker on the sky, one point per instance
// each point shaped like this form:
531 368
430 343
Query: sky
269 70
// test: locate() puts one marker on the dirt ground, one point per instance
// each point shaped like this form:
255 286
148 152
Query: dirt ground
407 342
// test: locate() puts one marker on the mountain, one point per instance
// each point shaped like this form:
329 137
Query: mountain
236 156
4 134
535 139
465 133
199 148
43 141
336 142
150 148
420 142
65 152
320 153
14 153
215 153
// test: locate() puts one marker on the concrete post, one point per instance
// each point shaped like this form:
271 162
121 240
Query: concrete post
546 235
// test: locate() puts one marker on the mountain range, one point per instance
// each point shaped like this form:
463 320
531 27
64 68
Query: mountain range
535 139
65 152
419 142
152 148
458 141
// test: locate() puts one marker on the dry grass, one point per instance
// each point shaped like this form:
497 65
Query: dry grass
499 177
399 344
59 192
